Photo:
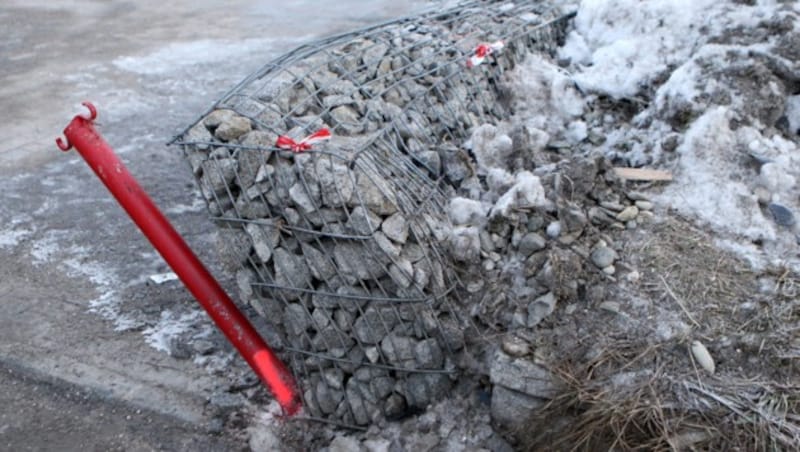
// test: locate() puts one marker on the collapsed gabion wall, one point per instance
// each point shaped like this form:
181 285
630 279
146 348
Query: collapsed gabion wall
342 247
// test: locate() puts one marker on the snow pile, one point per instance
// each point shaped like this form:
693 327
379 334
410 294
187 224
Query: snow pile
707 89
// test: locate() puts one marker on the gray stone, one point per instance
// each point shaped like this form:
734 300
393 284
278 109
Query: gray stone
319 264
233 128
781 214
465 244
373 54
376 194
396 228
218 174
431 161
385 246
355 263
346 120
516 347
363 222
282 180
603 256
245 278
290 270
422 389
333 378
402 273
331 340
361 402
199 134
511 409
295 319
572 218
203 347
217 117
398 350
233 248
629 213
344 319
521 375
428 354
394 407
337 100
381 385
265 238
540 308
320 318
327 398
326 215
530 243
349 298
305 196
344 444
335 181
374 325
644 205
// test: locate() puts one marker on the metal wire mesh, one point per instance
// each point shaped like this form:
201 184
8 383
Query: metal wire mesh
344 247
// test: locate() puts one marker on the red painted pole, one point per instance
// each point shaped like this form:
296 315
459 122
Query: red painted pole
81 134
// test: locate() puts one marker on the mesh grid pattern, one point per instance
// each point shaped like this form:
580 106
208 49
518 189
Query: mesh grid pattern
345 247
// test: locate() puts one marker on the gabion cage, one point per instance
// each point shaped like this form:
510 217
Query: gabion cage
343 245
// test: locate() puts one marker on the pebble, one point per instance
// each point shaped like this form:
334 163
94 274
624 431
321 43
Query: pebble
553 229
781 214
615 206
610 270
703 357
603 256
610 306
514 346
628 213
637 196
644 205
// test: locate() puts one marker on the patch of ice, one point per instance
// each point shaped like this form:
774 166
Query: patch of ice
197 205
170 326
187 54
10 238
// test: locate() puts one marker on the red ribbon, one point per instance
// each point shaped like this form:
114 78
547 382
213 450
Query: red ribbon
483 51
305 144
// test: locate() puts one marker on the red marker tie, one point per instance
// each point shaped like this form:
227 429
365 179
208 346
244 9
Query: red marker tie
305 144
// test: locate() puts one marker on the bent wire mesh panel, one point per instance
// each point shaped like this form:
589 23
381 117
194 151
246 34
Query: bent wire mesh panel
328 171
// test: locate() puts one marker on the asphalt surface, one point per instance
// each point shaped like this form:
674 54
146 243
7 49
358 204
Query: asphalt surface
88 355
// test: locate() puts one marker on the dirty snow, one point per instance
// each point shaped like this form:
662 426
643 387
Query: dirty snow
682 60
169 327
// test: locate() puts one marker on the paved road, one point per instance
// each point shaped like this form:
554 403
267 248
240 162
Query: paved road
75 312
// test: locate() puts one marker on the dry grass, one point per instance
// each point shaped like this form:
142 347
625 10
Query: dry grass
663 410
637 392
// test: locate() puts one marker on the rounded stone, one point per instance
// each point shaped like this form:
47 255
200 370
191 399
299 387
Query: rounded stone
603 256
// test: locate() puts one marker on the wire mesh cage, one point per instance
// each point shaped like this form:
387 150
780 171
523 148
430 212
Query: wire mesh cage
341 239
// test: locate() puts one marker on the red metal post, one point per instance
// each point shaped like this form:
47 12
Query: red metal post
81 134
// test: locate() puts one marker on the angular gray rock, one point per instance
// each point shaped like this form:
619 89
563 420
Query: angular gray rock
540 308
374 325
395 228
290 270
265 238
428 354
232 128
363 222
